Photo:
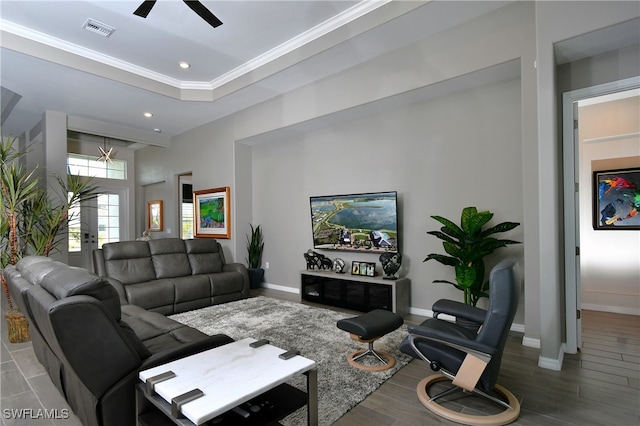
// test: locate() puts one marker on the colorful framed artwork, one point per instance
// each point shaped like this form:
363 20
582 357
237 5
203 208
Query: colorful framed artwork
212 209
154 216
616 199
355 268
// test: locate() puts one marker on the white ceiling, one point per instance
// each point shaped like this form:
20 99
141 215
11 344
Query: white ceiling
263 48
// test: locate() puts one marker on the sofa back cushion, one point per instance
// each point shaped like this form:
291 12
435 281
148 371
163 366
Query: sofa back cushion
169 258
66 281
128 261
205 256
34 268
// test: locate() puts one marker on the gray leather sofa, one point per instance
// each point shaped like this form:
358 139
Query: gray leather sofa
171 275
90 345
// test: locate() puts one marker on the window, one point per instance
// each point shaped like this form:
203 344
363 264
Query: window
186 207
108 218
75 228
86 165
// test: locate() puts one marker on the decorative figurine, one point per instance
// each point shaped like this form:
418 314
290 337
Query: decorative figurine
317 260
338 266
390 264
146 236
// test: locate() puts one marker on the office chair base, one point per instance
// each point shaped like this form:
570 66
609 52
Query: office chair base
503 418
387 360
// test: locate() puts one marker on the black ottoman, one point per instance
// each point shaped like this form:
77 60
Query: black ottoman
367 328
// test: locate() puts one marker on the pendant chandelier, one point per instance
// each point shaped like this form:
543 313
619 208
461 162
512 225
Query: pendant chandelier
104 154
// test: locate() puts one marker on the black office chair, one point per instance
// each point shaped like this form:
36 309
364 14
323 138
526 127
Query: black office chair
469 359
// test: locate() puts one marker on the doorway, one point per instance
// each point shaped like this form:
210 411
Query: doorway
575 184
98 221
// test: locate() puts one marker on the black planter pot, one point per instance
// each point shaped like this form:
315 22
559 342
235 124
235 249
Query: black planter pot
256 277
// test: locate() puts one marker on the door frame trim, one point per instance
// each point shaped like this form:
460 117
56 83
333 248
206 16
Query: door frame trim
570 151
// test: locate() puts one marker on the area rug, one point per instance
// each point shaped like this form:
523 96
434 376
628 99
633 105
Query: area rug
313 332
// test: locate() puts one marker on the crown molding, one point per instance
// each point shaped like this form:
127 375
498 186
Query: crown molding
355 12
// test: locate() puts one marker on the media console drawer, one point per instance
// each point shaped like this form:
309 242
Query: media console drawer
356 292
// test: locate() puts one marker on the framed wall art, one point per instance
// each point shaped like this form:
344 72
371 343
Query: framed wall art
155 220
616 199
212 211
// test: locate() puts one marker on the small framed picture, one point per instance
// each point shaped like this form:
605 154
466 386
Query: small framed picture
371 269
154 215
366 269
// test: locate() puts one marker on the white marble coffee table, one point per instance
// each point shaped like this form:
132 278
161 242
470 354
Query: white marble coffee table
228 376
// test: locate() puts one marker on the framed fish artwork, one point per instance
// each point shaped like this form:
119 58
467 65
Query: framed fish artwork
616 203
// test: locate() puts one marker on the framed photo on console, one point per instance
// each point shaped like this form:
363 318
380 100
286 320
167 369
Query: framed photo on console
212 213
367 269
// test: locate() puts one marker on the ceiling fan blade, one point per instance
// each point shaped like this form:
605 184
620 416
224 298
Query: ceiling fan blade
144 9
203 12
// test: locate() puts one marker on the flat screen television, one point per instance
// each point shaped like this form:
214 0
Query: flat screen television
356 222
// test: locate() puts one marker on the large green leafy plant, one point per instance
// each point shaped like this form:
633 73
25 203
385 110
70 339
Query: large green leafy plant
466 246
33 220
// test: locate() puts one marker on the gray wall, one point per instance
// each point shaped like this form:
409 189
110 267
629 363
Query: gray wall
295 126
441 156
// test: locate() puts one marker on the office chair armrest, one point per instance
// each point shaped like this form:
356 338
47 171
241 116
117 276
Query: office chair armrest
460 310
461 343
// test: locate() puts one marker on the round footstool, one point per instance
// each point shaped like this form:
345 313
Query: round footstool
368 328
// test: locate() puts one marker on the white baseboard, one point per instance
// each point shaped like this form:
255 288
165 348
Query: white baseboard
553 363
281 288
612 309
530 342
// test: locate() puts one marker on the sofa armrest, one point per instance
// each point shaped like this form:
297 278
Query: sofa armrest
184 350
119 289
242 270
459 310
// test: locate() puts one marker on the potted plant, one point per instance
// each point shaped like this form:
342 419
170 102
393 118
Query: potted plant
255 245
33 221
466 246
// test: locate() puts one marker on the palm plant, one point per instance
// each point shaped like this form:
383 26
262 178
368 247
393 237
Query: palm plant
33 221
466 247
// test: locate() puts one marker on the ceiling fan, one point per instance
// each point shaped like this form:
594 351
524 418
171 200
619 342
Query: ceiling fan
146 6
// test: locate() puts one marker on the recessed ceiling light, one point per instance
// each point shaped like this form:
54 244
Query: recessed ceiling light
148 114
184 65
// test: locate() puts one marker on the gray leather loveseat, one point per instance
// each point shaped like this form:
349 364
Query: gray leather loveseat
91 346
171 275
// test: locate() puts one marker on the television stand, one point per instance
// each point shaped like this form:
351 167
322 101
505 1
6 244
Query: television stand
356 292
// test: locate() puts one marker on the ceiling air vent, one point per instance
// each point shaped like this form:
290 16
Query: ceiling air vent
98 27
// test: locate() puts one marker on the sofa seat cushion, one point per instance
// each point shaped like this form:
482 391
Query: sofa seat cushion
157 332
193 287
156 294
225 283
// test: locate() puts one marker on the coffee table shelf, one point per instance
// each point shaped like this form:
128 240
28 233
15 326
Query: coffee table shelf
228 376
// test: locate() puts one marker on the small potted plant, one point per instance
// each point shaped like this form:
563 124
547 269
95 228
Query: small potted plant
466 247
255 245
